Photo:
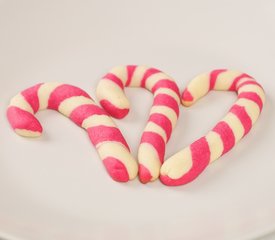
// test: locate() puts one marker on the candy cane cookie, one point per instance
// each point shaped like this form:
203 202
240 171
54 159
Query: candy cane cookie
77 105
163 114
188 163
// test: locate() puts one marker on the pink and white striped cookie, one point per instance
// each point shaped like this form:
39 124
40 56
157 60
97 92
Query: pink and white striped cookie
188 163
77 105
163 115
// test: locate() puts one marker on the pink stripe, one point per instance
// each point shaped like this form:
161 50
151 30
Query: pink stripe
253 97
79 114
148 73
166 100
30 95
113 110
166 83
116 169
102 133
156 141
226 134
248 83
63 92
213 77
144 174
187 96
163 121
112 77
236 80
21 119
130 72
241 113
200 155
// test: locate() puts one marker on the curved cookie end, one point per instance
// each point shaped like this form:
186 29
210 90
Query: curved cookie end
116 169
24 123
187 98
166 180
113 110
144 174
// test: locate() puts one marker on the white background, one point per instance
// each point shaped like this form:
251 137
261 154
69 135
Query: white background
56 187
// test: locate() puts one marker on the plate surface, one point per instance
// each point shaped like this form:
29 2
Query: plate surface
55 187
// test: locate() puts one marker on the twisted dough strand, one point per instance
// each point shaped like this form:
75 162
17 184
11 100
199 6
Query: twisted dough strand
77 105
163 114
188 163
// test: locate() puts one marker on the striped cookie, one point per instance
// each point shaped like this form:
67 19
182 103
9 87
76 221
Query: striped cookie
188 163
163 115
77 105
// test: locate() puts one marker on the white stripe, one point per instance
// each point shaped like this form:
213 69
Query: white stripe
97 120
198 87
169 92
148 157
167 111
120 72
138 75
215 144
152 127
153 79
27 133
235 124
20 102
251 108
253 88
243 80
44 93
69 104
225 79
108 90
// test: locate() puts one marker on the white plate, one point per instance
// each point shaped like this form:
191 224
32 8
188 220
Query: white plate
56 187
